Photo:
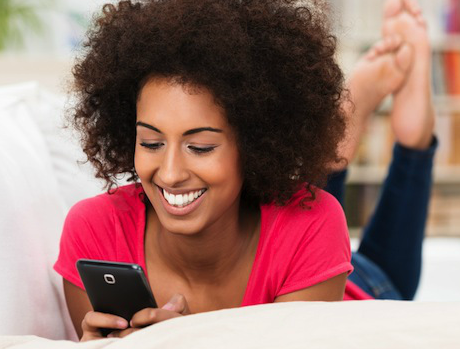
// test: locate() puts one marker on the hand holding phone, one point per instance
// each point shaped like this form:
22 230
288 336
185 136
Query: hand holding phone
122 299
96 325
177 306
119 289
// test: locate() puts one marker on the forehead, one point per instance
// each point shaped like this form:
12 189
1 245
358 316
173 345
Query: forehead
164 103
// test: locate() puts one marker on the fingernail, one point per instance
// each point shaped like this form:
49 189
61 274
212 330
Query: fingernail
168 306
122 323
110 335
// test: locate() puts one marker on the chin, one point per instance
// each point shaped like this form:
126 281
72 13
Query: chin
180 227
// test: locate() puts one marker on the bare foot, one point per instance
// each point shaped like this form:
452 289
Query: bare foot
412 116
380 72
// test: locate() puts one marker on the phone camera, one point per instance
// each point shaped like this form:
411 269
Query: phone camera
109 278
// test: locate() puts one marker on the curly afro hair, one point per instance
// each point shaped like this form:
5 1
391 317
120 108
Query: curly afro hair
269 64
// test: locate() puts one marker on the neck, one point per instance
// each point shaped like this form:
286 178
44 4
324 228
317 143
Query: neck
211 254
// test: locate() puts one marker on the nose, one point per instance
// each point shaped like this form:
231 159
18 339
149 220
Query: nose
173 168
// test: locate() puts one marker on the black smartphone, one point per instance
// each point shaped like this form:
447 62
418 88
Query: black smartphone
115 288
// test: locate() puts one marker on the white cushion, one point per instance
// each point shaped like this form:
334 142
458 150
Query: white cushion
319 325
32 211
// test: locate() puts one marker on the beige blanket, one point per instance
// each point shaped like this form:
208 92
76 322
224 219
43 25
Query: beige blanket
357 324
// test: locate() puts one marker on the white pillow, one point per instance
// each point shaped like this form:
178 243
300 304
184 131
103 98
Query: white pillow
32 212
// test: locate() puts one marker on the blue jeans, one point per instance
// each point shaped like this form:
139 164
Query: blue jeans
388 261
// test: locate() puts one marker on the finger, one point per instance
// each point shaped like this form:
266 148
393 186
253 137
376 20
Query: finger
122 333
149 316
95 320
89 336
178 303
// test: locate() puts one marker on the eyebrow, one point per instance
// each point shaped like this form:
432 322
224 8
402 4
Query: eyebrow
186 133
139 123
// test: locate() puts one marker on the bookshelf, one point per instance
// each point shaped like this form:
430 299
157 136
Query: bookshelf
357 24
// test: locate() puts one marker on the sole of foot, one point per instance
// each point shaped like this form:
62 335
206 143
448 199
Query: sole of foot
380 72
412 116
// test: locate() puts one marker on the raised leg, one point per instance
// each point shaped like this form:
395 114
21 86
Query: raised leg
393 238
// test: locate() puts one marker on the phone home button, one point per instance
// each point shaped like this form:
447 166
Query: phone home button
109 278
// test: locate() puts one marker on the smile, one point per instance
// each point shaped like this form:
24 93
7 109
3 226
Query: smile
182 200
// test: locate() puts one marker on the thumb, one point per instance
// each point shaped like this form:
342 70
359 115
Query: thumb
178 304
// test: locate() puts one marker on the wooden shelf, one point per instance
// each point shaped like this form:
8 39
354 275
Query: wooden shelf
443 104
357 43
438 231
449 42
447 103
376 174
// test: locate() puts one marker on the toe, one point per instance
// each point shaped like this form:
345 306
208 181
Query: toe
371 55
404 58
412 7
390 27
386 45
380 47
392 8
421 20
393 42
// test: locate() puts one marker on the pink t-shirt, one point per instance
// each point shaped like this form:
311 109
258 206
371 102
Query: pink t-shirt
297 248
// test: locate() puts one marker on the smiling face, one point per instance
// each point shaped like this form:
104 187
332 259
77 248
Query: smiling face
186 157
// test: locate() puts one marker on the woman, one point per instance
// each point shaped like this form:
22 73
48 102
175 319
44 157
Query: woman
226 113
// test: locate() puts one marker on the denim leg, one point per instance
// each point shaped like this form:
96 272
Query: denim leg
336 185
394 235
372 279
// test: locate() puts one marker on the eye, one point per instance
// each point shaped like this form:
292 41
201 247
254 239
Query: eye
201 150
152 146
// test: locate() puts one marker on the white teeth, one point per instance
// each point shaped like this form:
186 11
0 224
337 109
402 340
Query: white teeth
182 200
172 199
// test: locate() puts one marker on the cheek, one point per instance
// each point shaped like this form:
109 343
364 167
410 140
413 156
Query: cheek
141 163
229 172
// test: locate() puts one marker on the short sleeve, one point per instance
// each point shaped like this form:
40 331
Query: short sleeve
321 245
87 224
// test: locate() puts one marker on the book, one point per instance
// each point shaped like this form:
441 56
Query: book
453 17
438 75
452 71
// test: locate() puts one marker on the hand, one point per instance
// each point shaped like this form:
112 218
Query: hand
93 321
177 306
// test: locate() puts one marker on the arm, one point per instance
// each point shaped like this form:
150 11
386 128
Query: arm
78 305
329 290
